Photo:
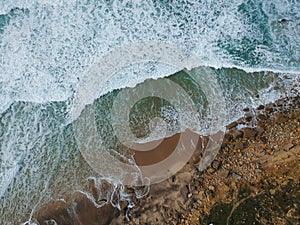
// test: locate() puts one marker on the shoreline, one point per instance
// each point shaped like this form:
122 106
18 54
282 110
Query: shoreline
244 163
190 195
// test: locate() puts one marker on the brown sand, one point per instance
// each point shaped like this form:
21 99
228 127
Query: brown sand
165 148
254 163
76 210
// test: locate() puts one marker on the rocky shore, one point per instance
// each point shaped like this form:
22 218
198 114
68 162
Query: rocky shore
255 179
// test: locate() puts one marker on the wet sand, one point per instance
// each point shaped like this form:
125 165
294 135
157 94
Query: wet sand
79 208
256 171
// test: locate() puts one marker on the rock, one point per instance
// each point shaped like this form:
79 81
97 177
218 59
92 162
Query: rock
225 188
211 188
283 20
288 146
270 105
236 134
261 124
231 125
216 164
248 117
260 130
263 140
211 170
294 212
269 151
269 108
202 195
184 177
246 144
246 109
276 86
261 117
236 176
226 140
296 114
209 194
241 121
184 191
260 107
280 102
280 118
223 173
249 132
239 146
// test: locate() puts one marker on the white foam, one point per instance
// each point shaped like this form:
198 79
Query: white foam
46 51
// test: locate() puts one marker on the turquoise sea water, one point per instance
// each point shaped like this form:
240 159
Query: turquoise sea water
236 50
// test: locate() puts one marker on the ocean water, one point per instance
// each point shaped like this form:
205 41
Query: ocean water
129 71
